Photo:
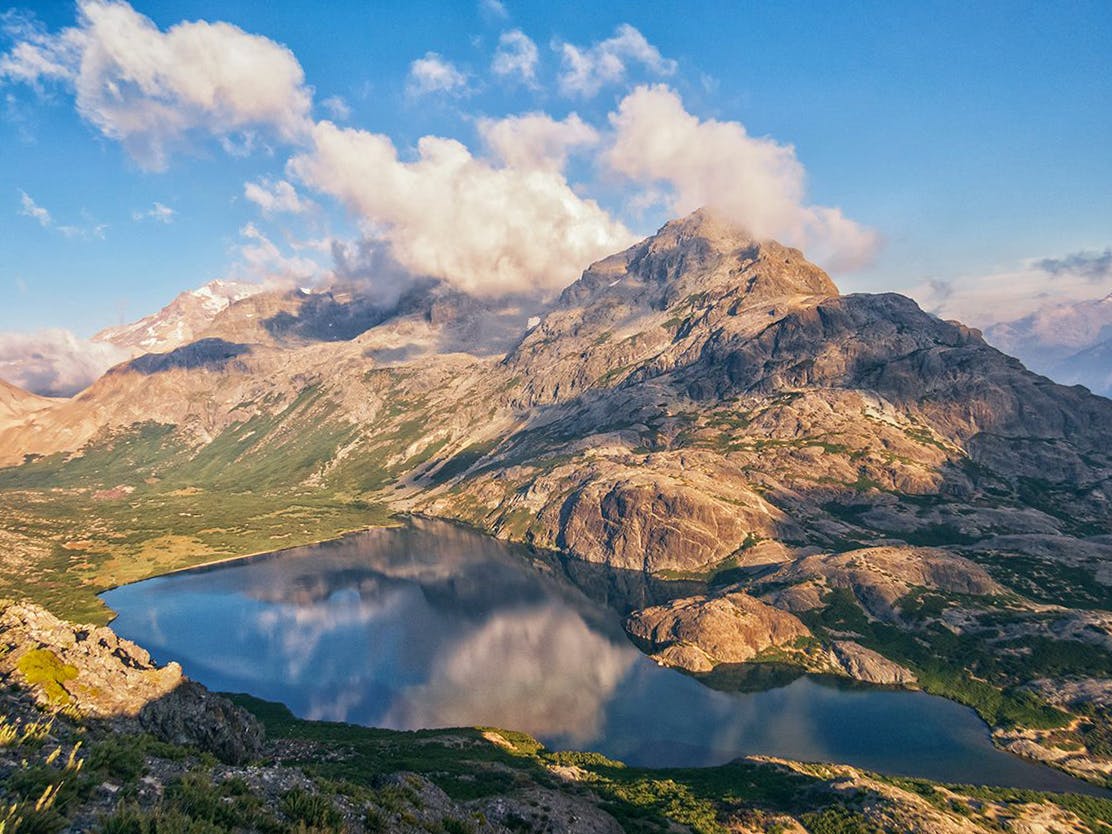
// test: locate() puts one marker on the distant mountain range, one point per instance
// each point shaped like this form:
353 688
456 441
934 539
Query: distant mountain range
749 466
1069 342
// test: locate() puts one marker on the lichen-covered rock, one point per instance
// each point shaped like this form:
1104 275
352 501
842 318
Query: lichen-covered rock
101 676
85 667
732 628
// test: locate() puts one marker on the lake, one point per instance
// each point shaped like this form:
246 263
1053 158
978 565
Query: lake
431 625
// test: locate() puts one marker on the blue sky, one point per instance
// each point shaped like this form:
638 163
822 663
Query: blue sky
958 141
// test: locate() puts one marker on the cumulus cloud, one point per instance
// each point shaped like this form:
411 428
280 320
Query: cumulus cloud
535 141
486 229
159 212
434 74
151 89
756 182
55 362
516 57
274 197
1092 266
586 70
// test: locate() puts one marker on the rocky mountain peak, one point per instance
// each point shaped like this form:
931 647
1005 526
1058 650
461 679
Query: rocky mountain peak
702 253
180 321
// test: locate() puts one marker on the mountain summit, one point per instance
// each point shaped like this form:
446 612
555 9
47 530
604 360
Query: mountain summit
703 253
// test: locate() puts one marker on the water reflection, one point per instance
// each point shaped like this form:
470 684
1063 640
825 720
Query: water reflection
431 625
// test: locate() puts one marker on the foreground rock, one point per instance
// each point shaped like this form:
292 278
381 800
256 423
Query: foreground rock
101 676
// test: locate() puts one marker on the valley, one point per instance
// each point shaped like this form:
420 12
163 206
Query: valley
842 484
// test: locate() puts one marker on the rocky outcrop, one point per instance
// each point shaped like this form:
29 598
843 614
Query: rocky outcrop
651 522
868 666
191 715
91 671
878 577
700 632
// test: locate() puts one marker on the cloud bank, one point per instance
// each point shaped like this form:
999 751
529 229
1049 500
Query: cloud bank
756 182
1032 288
486 229
55 363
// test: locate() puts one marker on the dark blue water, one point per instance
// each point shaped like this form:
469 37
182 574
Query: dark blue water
433 626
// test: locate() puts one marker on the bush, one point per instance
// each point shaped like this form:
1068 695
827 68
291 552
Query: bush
314 810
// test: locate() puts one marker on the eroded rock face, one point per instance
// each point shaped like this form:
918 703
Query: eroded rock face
732 628
102 676
652 524
192 715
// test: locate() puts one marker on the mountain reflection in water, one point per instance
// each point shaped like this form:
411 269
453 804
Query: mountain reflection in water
430 625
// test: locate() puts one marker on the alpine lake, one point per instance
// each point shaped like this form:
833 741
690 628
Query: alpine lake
431 625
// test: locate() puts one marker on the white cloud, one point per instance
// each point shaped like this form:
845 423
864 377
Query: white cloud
561 677
337 108
535 140
1028 288
494 7
486 229
586 70
755 182
433 74
158 212
516 56
274 197
151 89
90 231
55 362
38 56
261 260
29 208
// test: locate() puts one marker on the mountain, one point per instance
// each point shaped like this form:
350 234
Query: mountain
16 405
748 466
1070 342
180 321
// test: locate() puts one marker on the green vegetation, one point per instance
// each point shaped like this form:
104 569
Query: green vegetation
964 667
76 544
